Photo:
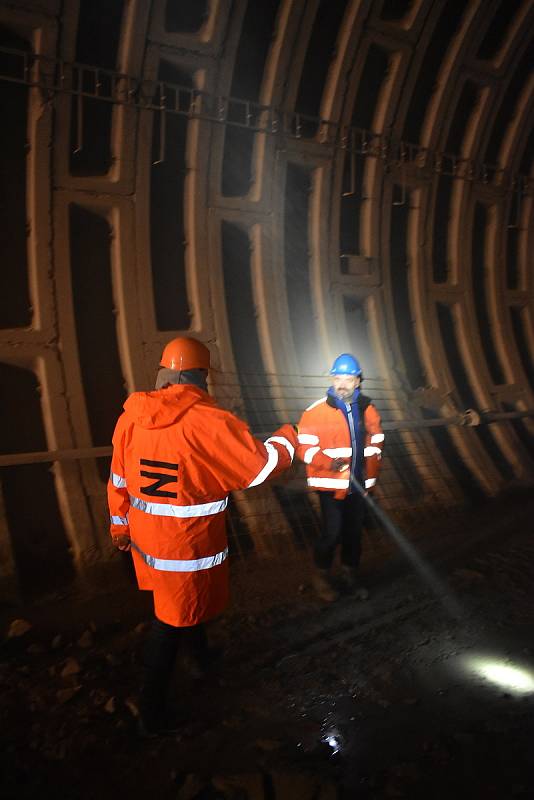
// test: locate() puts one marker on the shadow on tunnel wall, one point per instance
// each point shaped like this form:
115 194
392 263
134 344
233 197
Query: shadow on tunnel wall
41 550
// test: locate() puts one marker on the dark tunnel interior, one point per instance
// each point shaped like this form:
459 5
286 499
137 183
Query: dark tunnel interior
332 201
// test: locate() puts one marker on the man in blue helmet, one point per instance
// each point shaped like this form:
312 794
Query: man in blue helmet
340 441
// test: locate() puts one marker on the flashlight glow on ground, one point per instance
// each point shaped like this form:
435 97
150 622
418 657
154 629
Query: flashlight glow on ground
333 740
508 677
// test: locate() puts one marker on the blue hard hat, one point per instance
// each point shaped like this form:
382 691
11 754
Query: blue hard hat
346 364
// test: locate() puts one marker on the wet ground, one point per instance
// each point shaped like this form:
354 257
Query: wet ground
392 698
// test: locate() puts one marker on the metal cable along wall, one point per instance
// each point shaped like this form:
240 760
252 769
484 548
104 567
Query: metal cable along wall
89 83
361 173
412 496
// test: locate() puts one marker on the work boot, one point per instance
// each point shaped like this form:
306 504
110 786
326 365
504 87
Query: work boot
197 656
352 584
158 662
322 586
199 665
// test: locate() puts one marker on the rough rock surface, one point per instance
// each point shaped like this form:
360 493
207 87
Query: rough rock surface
396 697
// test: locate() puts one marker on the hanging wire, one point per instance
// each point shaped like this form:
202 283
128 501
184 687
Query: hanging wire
402 153
162 125
352 167
79 113
256 117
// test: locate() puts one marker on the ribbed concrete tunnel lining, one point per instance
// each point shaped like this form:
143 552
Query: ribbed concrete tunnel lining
386 227
278 249
95 324
167 210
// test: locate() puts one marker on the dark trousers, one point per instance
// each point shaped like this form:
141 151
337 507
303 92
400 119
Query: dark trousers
159 656
342 522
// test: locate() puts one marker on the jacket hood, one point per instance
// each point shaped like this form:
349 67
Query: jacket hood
164 407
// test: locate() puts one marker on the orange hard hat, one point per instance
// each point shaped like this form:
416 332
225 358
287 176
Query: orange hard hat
185 353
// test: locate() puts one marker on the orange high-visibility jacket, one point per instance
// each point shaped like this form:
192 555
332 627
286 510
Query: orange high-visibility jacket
176 457
324 435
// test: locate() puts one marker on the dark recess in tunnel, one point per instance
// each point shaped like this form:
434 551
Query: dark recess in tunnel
440 229
498 29
528 155
185 17
508 106
400 270
515 220
319 54
40 546
97 45
440 40
15 303
374 73
480 289
256 37
465 106
512 254
395 10
464 391
519 326
297 268
90 252
167 222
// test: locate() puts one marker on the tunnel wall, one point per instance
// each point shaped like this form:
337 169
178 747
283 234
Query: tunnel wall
123 227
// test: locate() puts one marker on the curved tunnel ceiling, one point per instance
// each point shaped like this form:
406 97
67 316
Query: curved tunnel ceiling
368 188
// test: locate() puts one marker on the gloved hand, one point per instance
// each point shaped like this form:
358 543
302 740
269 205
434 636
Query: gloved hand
122 541
339 465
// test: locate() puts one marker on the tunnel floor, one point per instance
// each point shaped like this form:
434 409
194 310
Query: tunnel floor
391 698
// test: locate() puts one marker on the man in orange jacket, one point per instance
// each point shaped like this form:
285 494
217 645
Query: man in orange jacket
340 441
176 458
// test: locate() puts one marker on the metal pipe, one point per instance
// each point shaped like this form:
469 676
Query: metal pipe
16 459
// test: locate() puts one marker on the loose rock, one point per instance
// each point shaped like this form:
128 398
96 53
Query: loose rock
18 628
111 706
86 640
64 695
71 667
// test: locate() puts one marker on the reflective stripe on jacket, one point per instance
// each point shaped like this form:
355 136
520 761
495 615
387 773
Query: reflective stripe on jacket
324 435
176 458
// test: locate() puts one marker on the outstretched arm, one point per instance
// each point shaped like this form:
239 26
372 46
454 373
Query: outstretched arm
236 459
